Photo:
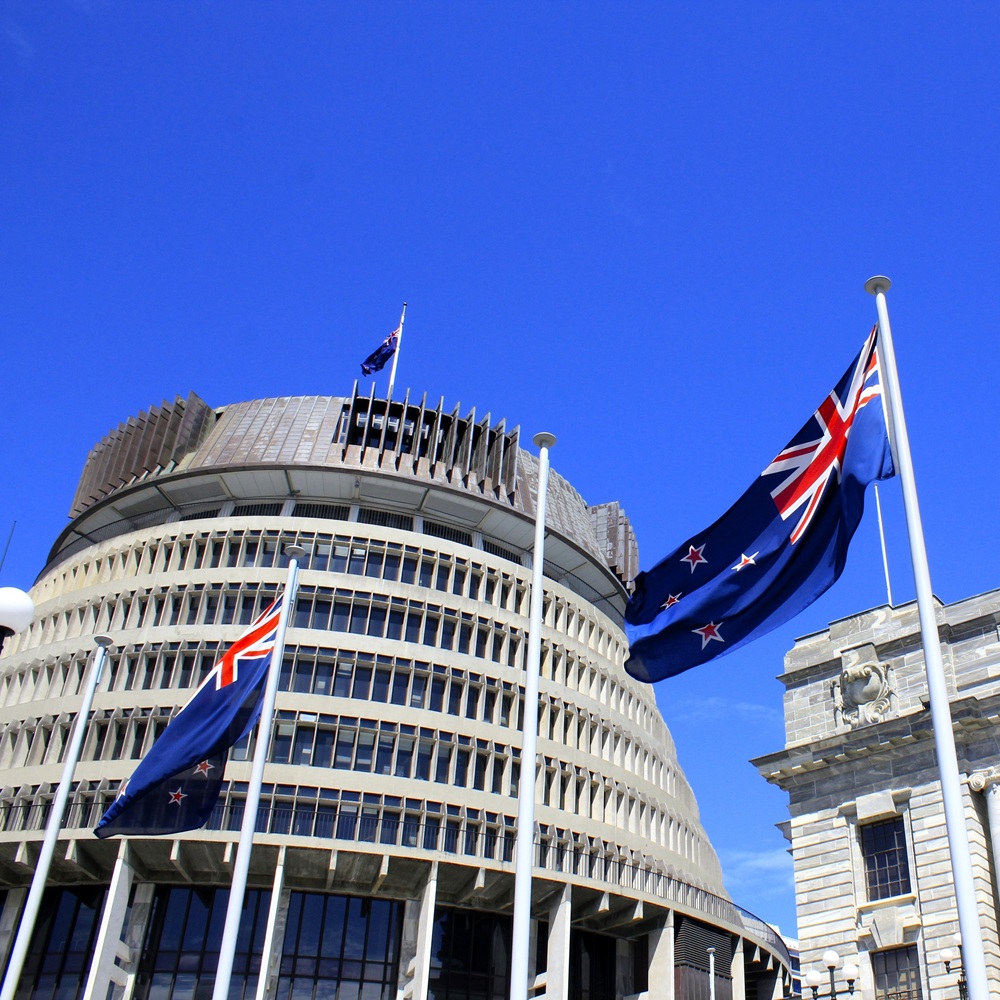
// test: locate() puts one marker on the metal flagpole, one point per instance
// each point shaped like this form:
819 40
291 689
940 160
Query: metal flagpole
881 538
31 906
395 353
227 950
941 722
524 845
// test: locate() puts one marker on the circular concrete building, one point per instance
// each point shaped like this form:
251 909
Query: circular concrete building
383 864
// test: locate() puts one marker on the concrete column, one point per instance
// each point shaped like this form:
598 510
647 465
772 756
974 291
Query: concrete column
108 947
418 923
624 986
738 972
135 935
277 917
661 961
10 919
557 954
987 781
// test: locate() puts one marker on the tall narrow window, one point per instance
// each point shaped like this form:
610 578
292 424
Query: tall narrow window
887 870
897 974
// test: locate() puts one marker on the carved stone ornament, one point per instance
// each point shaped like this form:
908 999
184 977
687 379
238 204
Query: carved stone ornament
985 778
862 692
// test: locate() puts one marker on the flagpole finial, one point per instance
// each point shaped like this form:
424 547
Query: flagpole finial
104 640
880 283
544 439
295 551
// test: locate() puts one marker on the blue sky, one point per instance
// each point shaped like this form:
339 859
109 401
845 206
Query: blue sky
643 227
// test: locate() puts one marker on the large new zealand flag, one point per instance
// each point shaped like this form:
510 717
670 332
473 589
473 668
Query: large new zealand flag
175 786
780 546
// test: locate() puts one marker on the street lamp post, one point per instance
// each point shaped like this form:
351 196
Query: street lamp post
831 960
948 956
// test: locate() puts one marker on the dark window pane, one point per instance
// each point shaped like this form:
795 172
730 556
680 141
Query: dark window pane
887 869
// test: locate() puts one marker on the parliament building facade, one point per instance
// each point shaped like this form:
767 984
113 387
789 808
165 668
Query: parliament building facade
867 828
384 856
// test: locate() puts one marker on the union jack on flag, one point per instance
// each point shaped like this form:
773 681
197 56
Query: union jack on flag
780 546
812 464
175 786
257 642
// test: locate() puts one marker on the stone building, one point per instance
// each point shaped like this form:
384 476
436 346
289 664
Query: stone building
867 829
383 865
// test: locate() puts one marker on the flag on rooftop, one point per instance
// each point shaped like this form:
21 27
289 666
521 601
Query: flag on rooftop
378 358
176 785
778 548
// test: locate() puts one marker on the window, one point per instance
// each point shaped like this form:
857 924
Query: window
183 938
897 974
887 870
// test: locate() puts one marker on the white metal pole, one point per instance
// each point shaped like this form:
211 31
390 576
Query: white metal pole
30 914
711 973
524 844
941 722
227 950
881 538
395 353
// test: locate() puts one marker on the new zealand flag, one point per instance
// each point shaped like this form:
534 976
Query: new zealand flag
176 785
378 358
780 546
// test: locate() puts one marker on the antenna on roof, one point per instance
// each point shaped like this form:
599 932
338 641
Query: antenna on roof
3 558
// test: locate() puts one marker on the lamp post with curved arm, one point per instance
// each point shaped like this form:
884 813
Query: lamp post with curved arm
948 956
813 978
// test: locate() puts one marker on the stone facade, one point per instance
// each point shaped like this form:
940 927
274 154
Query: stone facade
859 751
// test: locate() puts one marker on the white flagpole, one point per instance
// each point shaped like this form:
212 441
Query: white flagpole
395 353
524 844
31 906
227 950
881 538
941 722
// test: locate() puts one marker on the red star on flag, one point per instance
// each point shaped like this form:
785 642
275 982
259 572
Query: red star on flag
709 633
671 600
745 561
203 768
175 797
694 556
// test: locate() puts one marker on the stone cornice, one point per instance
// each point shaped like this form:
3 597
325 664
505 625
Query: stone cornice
969 716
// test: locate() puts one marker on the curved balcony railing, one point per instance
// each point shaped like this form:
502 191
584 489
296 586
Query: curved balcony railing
447 835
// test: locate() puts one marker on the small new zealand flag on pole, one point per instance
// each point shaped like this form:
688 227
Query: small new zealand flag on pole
378 358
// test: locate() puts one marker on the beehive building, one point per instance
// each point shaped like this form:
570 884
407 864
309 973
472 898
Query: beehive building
383 864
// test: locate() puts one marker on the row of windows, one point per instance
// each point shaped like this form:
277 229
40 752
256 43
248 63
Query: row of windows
329 813
114 735
358 556
341 611
348 674
361 745
327 610
336 611
348 947
384 748
380 747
